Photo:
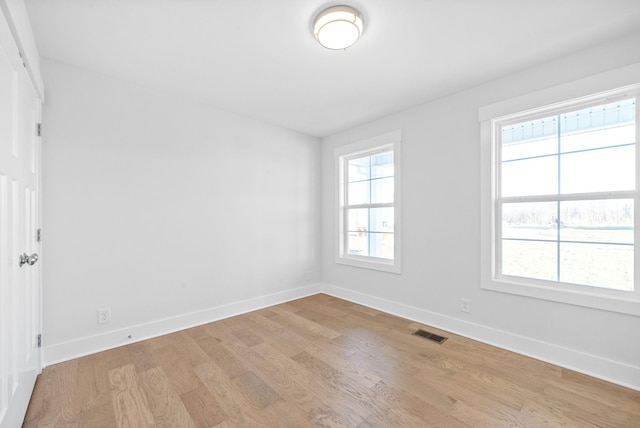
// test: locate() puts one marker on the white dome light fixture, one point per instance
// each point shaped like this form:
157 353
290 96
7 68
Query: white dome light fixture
338 27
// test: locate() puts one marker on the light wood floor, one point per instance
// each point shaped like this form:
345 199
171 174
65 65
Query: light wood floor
320 361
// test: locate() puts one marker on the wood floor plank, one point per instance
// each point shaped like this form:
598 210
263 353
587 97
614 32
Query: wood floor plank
164 402
294 319
583 385
93 377
129 402
57 404
142 355
326 352
178 369
98 417
381 403
295 393
203 408
219 332
344 389
232 366
551 414
347 410
411 409
283 415
321 362
240 411
189 350
287 341
335 319
267 325
242 329
227 424
472 378
255 390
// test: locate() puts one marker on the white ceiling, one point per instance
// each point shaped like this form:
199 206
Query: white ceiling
258 58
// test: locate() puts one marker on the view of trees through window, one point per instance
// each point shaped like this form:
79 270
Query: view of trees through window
566 196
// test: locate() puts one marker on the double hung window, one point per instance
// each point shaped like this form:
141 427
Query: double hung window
368 189
565 209
564 194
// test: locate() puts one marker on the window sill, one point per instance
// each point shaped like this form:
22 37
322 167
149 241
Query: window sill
590 298
370 263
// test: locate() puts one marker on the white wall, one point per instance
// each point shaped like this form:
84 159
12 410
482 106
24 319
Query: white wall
441 232
167 211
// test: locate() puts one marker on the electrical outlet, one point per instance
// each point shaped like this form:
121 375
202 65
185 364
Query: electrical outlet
466 305
307 275
104 316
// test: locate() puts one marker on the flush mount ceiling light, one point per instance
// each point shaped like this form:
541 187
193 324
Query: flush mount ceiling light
338 27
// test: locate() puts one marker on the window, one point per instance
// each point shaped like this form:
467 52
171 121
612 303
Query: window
563 197
368 203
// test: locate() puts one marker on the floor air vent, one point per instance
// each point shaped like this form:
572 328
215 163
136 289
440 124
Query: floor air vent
431 336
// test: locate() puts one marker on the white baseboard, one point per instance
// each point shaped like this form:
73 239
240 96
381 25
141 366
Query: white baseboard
602 368
65 351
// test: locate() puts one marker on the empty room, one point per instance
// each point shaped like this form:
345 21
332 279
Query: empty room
286 213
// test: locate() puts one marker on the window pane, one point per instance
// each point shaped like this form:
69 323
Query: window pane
530 259
359 193
601 116
615 136
599 265
530 220
530 149
359 169
358 243
381 245
538 176
598 170
530 139
381 219
382 190
382 165
608 221
358 220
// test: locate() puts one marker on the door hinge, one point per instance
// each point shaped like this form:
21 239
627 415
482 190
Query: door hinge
38 235
39 130
40 341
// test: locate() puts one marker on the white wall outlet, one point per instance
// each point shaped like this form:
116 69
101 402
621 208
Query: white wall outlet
466 305
307 275
104 316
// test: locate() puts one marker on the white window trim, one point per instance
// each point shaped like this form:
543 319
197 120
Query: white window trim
390 140
614 83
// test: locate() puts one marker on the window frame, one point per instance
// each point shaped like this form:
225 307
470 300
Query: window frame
492 118
342 155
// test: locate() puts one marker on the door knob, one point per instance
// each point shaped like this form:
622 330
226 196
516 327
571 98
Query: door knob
30 260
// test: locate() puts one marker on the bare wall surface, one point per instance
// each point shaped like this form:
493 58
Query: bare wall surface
441 231
158 207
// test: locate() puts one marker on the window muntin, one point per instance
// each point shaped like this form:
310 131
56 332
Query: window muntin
565 196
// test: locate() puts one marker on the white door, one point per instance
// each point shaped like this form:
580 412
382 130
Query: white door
19 219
